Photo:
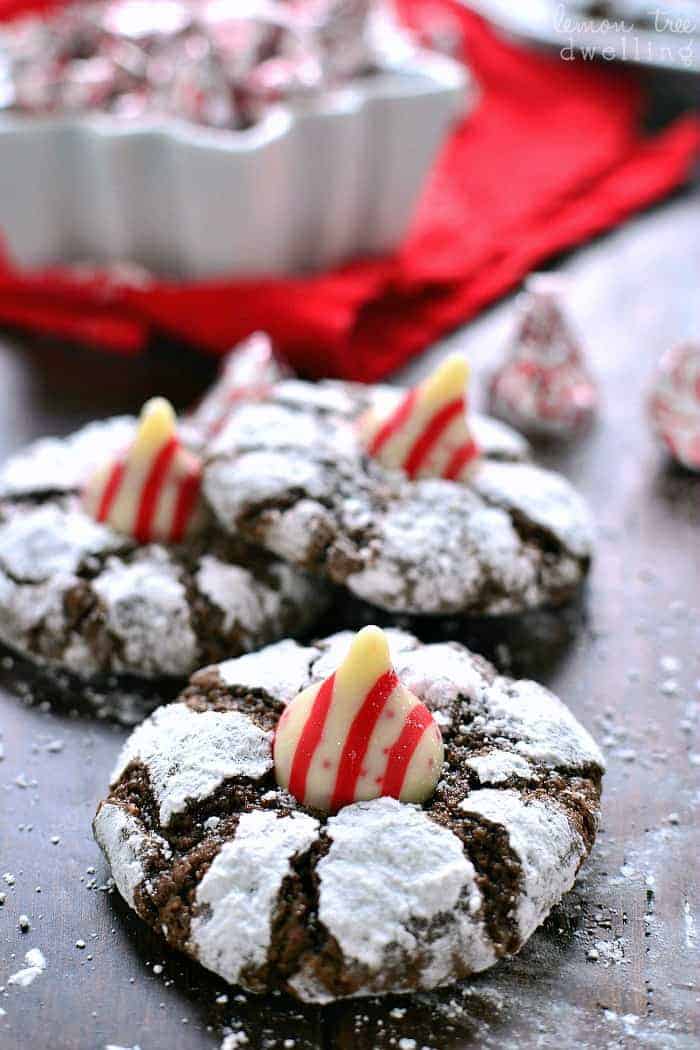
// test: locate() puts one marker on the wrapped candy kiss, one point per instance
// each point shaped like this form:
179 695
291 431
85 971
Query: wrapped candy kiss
358 735
152 491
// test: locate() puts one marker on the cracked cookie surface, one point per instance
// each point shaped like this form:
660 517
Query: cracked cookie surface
383 896
77 595
289 474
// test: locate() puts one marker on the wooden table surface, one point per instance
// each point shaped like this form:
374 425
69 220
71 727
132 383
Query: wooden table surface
617 963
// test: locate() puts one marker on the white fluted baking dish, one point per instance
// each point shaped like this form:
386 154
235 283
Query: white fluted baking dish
308 187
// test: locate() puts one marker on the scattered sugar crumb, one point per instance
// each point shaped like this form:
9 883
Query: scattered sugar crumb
234 1040
36 964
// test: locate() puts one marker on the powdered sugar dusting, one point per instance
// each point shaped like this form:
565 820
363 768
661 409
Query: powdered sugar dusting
389 870
236 898
497 440
146 608
188 755
125 844
24 606
549 849
441 549
527 723
235 591
541 727
64 464
496 767
49 540
281 670
544 498
35 965
439 674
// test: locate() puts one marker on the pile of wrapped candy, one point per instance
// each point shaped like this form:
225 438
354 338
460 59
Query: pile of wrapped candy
211 62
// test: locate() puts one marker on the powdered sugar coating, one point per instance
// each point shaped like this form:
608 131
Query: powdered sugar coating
281 670
50 540
539 725
389 872
146 608
247 603
544 498
385 897
232 590
58 465
437 549
496 767
189 755
236 899
541 835
126 846
291 475
496 439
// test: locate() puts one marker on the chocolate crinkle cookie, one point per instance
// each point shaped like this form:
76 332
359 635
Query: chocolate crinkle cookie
291 474
77 594
382 896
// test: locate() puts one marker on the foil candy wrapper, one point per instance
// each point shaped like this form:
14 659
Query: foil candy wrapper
674 404
211 62
544 387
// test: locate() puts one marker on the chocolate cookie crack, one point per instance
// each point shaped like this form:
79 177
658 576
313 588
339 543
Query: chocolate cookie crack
295 930
499 872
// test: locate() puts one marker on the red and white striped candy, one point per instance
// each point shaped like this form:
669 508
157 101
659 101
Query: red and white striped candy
152 491
427 434
358 735
544 387
675 404
248 373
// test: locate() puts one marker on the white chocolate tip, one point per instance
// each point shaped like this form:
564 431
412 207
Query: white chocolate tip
367 658
448 381
157 424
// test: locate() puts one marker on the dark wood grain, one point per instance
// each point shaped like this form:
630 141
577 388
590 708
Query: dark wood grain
627 660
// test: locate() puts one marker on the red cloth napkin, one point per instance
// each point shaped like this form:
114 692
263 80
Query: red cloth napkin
552 156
